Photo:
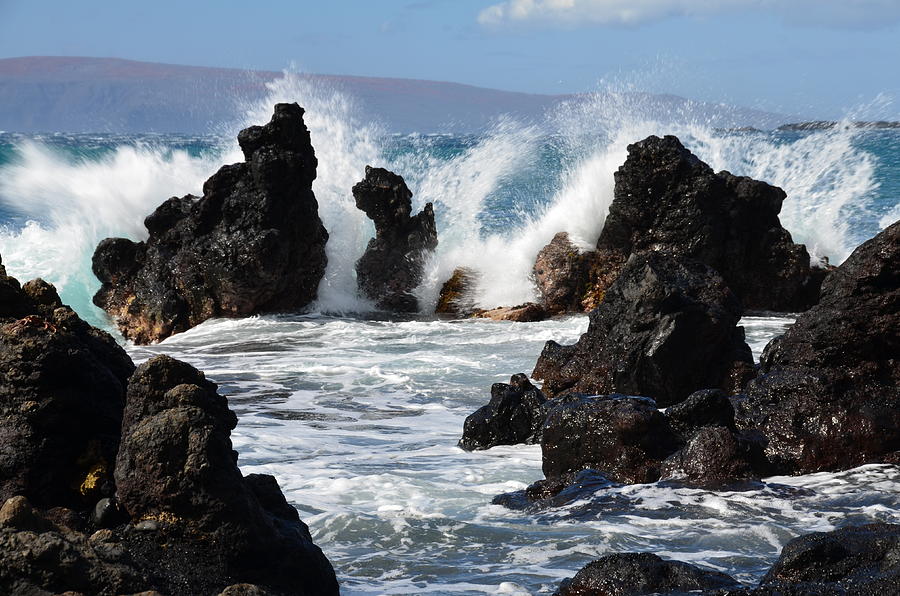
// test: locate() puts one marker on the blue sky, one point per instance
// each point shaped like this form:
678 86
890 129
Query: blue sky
817 58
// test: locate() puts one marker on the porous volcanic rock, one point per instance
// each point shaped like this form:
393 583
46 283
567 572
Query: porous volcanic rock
716 456
391 267
666 328
633 574
626 438
828 396
456 296
108 490
571 280
515 414
62 392
852 561
666 199
176 467
523 313
253 243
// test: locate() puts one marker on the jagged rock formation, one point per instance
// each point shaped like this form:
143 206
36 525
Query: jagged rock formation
253 243
391 267
176 467
666 199
828 396
515 414
116 491
666 328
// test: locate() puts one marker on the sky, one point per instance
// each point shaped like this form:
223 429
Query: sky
816 58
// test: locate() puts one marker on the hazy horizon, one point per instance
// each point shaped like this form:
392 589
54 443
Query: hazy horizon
824 59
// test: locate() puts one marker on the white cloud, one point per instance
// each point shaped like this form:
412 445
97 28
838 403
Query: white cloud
838 13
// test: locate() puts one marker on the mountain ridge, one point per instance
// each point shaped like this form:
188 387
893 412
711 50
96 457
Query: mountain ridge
84 94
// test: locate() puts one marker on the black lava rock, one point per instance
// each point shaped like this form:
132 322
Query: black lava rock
62 392
632 574
667 199
625 438
828 396
854 561
515 414
253 243
176 466
391 267
666 328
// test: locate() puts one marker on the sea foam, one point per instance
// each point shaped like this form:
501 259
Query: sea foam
543 177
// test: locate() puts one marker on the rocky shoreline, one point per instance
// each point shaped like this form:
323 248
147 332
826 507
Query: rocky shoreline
118 479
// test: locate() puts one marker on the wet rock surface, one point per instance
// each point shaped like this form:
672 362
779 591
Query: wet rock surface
828 396
253 243
456 296
852 561
666 328
624 437
667 199
855 561
632 574
523 313
391 268
515 414
117 481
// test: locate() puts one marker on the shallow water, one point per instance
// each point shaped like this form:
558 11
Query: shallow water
359 422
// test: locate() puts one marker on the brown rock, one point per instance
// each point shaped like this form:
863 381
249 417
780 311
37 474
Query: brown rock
524 313
456 294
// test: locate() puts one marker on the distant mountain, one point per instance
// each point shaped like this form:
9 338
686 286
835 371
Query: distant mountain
71 94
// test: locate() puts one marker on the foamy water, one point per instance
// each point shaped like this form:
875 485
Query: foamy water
359 418
547 177
359 422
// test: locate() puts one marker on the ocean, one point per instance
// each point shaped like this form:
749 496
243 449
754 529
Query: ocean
358 413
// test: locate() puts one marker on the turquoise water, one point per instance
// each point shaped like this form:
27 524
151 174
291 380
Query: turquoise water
514 197
358 418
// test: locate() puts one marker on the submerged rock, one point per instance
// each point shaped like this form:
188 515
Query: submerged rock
631 574
514 415
666 199
253 243
391 268
828 396
666 328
